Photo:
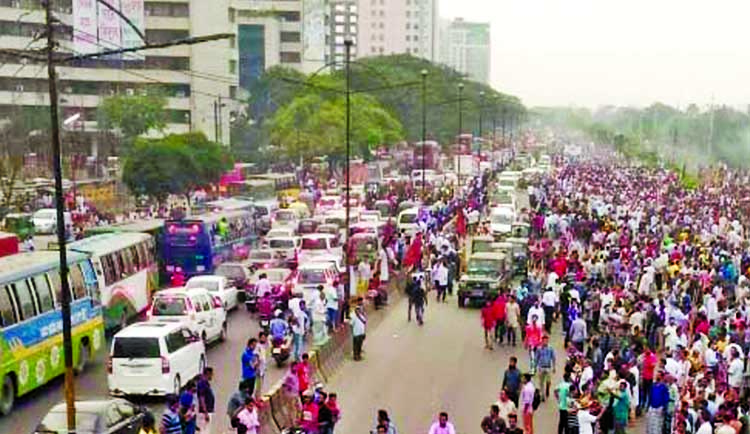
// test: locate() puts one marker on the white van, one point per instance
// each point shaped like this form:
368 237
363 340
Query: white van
501 220
45 221
154 359
203 314
408 221
217 286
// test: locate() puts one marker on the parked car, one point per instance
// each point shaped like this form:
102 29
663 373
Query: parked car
105 416
154 358
238 275
45 221
264 258
319 244
285 248
204 314
217 286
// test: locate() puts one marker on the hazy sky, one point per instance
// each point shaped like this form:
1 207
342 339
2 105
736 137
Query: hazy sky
635 52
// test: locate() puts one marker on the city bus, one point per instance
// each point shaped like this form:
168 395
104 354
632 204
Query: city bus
285 184
257 190
31 341
196 245
126 270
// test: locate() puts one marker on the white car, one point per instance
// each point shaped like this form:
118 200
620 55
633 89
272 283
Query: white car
310 275
369 216
280 232
319 244
154 359
203 314
408 221
217 286
285 218
286 247
45 221
501 220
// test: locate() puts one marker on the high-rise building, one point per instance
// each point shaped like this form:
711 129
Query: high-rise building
397 27
203 83
343 25
465 46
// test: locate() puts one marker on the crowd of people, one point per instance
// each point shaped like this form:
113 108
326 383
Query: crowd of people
648 280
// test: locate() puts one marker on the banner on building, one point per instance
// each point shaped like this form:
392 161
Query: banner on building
110 28
135 12
85 26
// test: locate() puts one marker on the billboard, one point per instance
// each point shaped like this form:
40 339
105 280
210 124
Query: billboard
96 27
85 26
134 10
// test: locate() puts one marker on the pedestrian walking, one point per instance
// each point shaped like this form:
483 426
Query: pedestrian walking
492 423
488 324
411 285
546 366
359 326
188 409
532 341
250 364
206 401
440 277
247 418
562 392
170 419
512 315
442 426
512 380
418 299
527 404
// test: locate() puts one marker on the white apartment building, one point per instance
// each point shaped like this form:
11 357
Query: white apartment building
344 21
397 27
203 82
466 47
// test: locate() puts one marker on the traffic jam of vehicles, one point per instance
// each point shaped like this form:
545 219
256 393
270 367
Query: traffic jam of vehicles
152 294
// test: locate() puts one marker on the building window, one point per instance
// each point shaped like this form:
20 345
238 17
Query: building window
232 42
230 12
382 50
162 36
416 38
290 37
340 18
381 37
408 26
232 66
382 25
382 13
408 14
290 57
166 9
408 38
339 29
290 16
232 92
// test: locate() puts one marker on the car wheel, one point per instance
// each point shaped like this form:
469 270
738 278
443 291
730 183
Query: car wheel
223 335
84 354
177 386
7 395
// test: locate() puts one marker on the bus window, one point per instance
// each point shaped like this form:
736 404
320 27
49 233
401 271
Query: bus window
43 293
54 280
127 261
110 269
122 270
25 299
7 315
89 275
77 282
136 257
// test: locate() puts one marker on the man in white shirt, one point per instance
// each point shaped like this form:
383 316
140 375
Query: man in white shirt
734 372
442 426
705 425
549 301
537 310
263 286
441 280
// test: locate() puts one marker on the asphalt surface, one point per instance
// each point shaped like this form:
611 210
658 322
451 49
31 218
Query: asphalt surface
92 384
415 372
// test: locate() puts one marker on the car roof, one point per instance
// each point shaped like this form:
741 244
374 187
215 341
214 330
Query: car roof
148 329
180 291
315 266
318 235
206 278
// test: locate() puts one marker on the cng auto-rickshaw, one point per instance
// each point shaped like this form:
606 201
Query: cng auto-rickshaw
20 224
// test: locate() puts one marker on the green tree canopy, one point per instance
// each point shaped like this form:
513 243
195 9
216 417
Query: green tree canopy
133 115
175 164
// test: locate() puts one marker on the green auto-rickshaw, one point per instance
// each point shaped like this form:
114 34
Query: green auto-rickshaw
20 224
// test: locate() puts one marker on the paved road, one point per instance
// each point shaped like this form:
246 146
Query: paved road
415 372
224 357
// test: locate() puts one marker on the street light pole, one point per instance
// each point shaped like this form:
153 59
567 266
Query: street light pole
216 121
60 214
460 132
481 132
424 127
348 47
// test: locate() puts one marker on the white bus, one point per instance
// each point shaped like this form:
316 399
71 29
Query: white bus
127 273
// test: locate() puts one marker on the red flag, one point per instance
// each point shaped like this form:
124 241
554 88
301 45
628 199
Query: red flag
461 223
414 253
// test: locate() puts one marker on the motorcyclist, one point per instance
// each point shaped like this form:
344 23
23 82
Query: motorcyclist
279 327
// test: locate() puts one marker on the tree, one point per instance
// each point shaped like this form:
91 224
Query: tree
176 164
132 115
315 125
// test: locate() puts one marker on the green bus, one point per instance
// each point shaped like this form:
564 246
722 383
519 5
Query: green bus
31 341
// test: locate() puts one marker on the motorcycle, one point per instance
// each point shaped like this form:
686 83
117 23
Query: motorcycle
280 350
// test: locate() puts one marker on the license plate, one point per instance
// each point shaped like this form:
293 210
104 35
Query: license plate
477 293
277 350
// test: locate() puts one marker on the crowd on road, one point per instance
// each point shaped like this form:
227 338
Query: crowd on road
649 282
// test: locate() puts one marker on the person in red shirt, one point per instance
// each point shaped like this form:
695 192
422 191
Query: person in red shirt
309 415
650 361
701 324
499 308
303 374
533 340
488 324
